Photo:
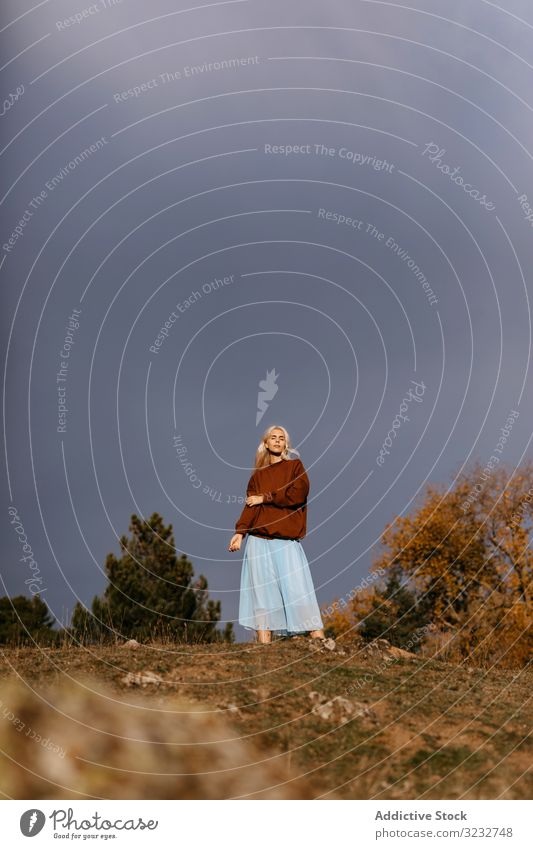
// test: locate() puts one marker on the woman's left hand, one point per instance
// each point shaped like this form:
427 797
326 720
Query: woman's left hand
252 500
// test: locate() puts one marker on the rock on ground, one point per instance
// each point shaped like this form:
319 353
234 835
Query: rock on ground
339 709
130 644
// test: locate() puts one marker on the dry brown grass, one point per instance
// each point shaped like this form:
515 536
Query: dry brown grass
221 721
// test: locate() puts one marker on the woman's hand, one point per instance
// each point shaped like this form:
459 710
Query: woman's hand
235 542
252 500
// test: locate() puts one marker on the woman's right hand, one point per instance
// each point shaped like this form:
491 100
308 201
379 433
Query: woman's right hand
235 542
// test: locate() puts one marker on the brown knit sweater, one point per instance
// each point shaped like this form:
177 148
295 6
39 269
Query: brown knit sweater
283 513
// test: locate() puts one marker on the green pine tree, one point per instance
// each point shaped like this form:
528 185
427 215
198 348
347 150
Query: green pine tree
24 620
397 616
151 593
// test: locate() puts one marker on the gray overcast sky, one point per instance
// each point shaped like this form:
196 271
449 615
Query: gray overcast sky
357 178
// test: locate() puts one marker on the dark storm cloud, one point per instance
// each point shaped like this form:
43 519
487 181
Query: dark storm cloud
281 180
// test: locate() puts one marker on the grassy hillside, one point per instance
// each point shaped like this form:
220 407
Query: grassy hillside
403 727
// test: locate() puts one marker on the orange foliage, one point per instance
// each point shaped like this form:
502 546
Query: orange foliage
466 553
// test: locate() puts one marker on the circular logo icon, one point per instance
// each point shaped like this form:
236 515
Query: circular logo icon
32 822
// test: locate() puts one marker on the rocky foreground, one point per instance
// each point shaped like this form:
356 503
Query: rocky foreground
294 719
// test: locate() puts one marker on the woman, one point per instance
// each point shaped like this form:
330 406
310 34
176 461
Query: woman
277 592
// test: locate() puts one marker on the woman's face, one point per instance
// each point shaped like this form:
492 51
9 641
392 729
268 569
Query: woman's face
276 442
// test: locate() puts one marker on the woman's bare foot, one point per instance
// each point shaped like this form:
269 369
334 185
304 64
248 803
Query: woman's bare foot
264 636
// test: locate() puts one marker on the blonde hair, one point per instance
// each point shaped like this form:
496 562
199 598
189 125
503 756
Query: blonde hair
262 456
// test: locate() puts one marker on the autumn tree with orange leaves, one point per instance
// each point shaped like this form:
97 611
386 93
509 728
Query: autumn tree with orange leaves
464 553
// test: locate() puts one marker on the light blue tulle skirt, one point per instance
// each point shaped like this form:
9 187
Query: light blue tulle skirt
277 592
